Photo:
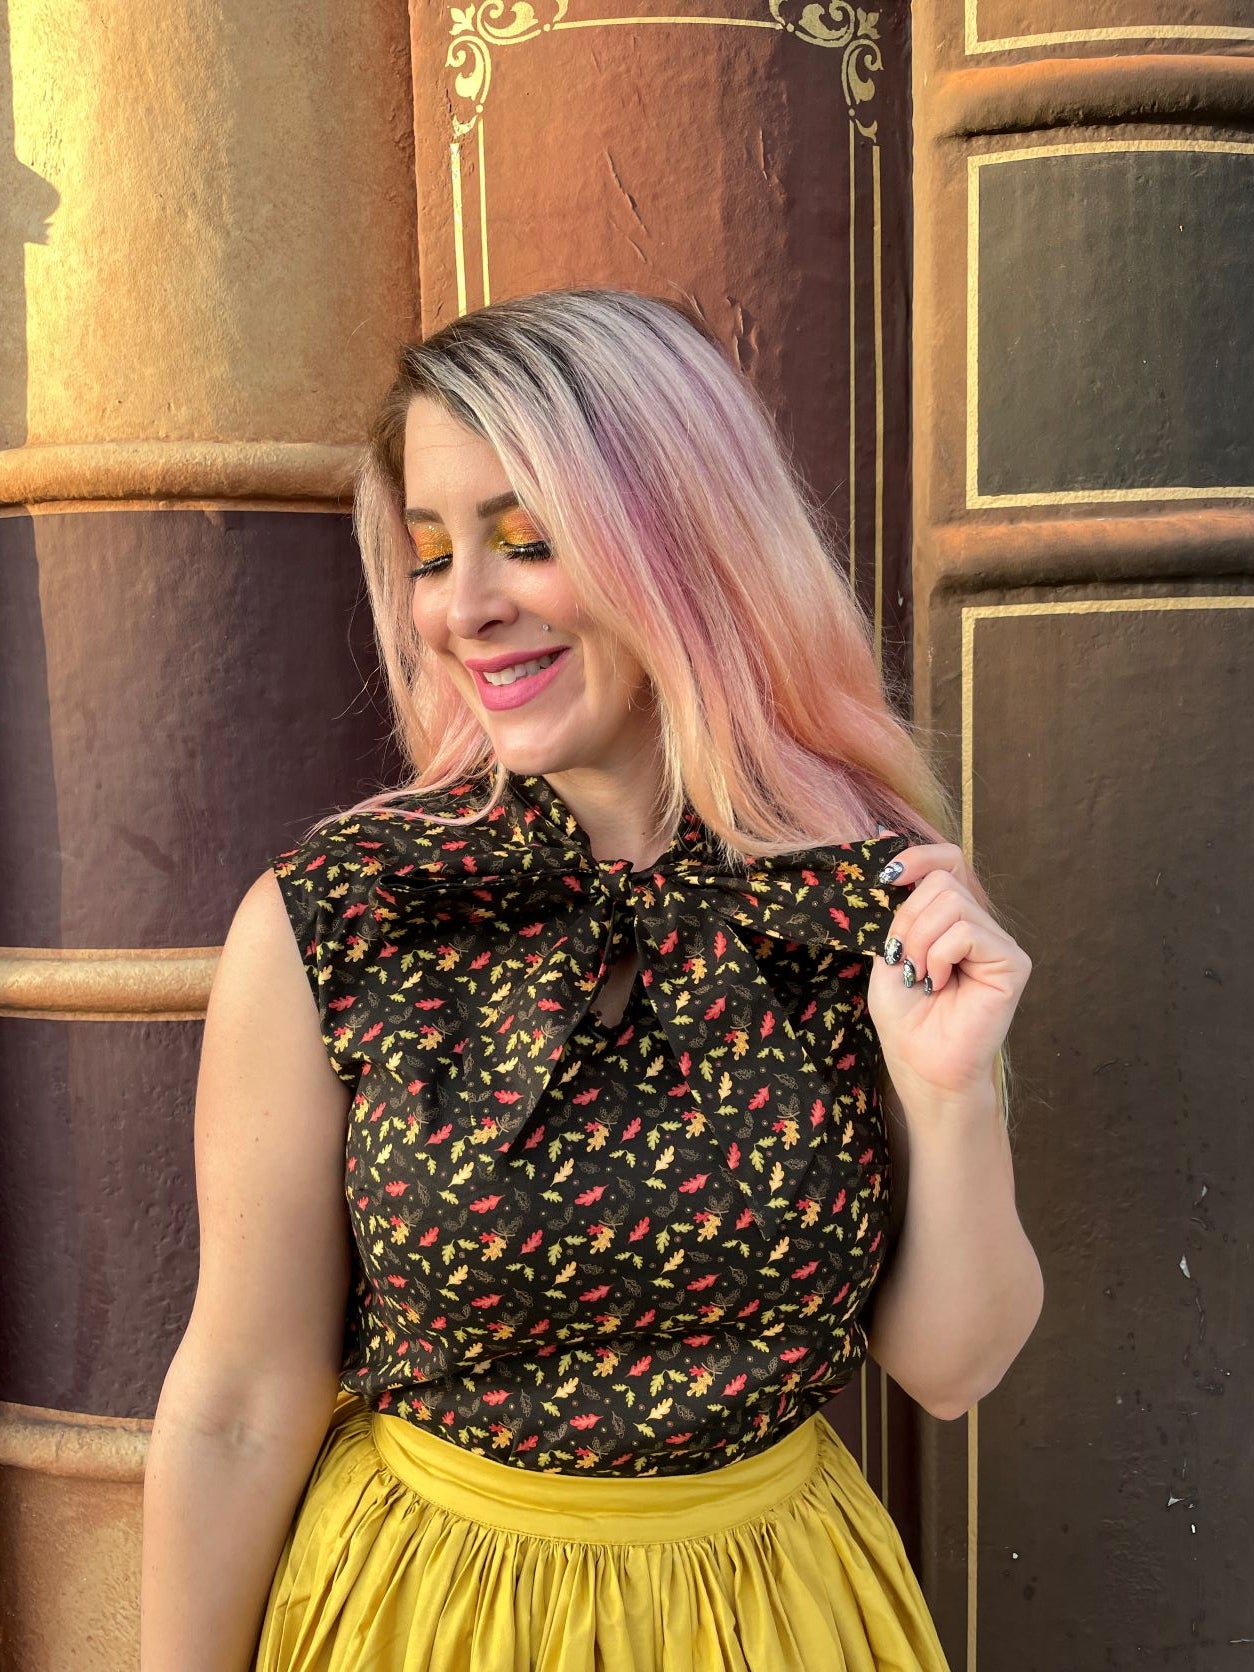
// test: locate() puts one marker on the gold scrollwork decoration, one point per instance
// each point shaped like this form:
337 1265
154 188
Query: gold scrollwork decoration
854 33
483 24
476 28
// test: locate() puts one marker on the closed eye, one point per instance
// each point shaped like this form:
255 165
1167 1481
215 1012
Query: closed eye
533 551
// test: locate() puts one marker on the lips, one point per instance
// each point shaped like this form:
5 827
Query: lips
511 659
519 691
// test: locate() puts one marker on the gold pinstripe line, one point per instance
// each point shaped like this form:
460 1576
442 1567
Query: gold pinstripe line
483 216
459 231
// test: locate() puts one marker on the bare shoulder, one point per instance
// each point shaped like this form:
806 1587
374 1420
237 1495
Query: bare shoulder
270 1122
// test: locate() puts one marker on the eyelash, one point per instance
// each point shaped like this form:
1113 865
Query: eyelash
534 551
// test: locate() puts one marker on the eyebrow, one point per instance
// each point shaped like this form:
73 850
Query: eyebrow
488 508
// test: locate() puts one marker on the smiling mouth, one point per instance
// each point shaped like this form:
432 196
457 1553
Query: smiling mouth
499 677
519 683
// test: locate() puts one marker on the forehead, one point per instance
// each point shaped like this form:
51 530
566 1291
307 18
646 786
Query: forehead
447 466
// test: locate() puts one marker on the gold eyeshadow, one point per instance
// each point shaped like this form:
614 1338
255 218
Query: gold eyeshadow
515 528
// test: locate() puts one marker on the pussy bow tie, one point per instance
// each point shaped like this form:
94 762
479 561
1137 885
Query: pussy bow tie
547 914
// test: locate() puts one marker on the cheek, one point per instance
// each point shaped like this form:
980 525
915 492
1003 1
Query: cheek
426 620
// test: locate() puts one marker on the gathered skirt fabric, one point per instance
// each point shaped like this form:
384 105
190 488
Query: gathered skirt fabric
409 1554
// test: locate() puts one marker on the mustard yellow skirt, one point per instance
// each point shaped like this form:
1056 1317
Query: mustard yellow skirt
407 1554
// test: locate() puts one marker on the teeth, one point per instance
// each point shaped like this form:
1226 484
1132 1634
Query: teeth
507 676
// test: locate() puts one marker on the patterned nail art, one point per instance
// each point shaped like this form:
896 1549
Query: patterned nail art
927 984
893 949
907 973
891 871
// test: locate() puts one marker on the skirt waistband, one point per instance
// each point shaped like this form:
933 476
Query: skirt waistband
626 1510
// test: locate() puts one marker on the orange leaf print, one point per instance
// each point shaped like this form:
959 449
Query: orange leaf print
717 1008
589 1419
696 1182
639 1229
485 1204
733 1387
533 1242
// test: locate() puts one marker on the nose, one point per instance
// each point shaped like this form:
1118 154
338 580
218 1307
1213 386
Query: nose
478 598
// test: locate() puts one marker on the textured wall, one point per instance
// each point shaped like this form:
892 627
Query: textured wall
1084 481
221 220
207 256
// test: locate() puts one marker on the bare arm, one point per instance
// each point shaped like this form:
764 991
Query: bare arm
249 1394
962 1288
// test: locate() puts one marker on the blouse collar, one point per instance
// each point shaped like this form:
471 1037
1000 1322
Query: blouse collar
534 798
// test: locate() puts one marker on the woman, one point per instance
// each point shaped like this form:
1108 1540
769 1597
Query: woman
584 1172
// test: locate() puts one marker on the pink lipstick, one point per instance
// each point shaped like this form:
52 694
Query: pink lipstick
519 691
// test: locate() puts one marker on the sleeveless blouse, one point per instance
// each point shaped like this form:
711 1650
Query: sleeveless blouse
629 1249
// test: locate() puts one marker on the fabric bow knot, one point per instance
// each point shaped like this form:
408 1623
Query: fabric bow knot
555 913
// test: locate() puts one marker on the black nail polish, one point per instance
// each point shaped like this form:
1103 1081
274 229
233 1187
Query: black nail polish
907 973
927 985
893 950
891 871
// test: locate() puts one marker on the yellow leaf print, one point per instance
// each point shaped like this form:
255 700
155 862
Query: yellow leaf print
739 1043
777 1177
459 1274
661 1409
724 1087
563 1389
463 1173
676 1259
664 1160
601 1239
565 1170
567 1272
494 1246
780 1248
709 1227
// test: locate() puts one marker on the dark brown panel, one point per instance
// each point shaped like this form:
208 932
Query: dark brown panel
1114 328
1112 767
1184 22
181 690
98 1230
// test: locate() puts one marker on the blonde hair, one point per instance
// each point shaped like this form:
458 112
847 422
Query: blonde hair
659 478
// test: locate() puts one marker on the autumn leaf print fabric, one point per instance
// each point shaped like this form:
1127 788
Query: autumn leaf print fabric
628 1249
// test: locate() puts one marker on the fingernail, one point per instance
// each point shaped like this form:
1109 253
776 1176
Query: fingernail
891 871
893 949
927 984
907 973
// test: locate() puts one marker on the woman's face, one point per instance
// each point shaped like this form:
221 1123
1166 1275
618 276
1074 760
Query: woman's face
485 582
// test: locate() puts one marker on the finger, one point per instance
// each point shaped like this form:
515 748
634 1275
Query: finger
926 925
913 865
983 952
935 887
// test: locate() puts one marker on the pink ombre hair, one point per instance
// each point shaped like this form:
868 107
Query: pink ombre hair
657 473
